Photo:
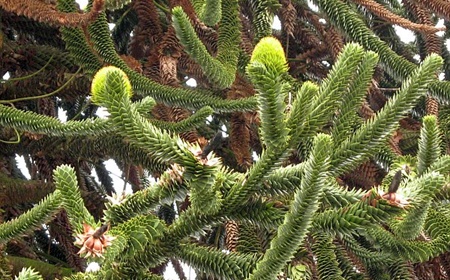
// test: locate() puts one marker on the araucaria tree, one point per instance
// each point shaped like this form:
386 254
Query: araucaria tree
320 150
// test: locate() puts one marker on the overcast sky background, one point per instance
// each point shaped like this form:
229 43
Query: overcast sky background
405 35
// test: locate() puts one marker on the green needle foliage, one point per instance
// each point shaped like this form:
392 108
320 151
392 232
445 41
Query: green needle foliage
429 144
30 274
210 12
77 213
297 221
265 69
39 214
370 134
221 70
318 151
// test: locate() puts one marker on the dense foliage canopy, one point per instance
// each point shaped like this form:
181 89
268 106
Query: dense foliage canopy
317 151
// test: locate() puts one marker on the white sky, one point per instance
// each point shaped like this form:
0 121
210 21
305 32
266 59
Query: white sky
82 3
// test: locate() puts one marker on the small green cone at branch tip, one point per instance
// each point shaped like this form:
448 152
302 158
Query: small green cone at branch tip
269 51
28 273
101 78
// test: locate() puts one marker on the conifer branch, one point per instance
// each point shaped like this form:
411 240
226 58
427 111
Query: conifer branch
32 219
297 221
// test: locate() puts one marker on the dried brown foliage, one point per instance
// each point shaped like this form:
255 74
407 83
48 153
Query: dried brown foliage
334 40
288 17
241 123
47 13
148 31
432 42
16 191
439 7
432 106
232 235
365 176
390 17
